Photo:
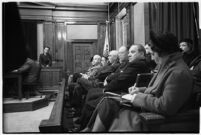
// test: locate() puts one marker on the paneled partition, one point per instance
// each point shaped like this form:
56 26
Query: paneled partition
50 78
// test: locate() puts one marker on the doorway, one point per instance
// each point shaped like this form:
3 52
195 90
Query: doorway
82 52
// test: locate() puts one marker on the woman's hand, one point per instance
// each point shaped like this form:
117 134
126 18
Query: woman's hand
133 90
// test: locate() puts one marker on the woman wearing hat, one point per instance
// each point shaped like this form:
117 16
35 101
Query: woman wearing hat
168 92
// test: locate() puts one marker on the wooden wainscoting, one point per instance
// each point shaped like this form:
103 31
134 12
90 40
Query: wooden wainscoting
50 78
55 123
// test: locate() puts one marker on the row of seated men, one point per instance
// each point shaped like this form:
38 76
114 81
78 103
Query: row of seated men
168 93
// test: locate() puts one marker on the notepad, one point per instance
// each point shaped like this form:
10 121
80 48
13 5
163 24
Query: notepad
127 97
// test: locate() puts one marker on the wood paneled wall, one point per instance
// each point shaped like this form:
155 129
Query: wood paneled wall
101 38
49 38
115 8
55 19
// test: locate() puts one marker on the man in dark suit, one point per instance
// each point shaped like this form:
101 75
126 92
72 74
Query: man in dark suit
30 71
45 58
83 84
162 96
102 73
120 83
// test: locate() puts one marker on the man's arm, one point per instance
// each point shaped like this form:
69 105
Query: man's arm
125 79
177 90
50 60
24 68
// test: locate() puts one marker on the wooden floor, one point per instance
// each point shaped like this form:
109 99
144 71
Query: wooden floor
25 122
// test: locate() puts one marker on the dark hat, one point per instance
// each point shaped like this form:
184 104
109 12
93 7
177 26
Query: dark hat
187 40
164 42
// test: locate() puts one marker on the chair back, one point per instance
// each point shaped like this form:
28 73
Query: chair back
143 79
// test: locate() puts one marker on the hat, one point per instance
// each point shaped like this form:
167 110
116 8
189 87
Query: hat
164 42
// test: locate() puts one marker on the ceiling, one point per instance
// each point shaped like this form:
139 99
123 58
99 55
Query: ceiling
91 6
67 4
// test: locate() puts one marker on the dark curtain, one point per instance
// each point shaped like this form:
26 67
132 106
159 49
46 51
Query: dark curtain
14 50
30 32
178 18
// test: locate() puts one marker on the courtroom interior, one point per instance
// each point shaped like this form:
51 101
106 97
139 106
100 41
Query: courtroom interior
106 67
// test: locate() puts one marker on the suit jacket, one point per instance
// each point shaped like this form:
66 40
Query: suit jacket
30 70
105 71
116 72
195 67
45 59
92 71
127 76
169 90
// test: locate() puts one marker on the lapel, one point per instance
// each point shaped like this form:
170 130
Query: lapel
157 80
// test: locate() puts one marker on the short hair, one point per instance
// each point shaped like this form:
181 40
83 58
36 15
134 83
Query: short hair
47 47
98 56
189 42
114 52
140 48
164 43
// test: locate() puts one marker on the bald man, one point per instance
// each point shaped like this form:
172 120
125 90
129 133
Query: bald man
102 73
119 81
123 59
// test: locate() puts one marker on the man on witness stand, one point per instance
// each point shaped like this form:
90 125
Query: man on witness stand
45 58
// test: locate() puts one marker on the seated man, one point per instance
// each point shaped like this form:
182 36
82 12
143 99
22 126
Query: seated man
162 96
103 72
187 47
75 90
120 82
92 71
151 63
195 68
31 72
83 84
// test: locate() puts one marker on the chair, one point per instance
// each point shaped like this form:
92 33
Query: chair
182 122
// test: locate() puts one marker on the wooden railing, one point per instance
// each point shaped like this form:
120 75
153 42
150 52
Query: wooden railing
49 78
55 123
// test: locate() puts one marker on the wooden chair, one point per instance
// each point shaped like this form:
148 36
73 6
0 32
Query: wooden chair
182 122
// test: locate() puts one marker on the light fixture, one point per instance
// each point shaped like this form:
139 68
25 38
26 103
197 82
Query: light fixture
59 35
64 35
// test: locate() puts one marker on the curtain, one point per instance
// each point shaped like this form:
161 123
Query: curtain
178 18
30 38
13 39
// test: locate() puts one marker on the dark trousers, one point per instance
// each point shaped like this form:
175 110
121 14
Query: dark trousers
75 94
93 97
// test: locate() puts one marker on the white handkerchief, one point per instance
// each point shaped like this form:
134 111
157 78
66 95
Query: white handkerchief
127 97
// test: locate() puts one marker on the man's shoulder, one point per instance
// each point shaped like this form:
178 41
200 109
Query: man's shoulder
139 62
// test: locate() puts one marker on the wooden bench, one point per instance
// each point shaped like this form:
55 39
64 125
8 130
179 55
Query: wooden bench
55 123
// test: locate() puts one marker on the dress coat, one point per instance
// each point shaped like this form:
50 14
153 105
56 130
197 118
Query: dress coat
195 67
127 76
30 70
45 60
124 78
101 74
168 93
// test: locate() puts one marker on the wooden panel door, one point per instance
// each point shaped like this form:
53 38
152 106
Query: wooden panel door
82 52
